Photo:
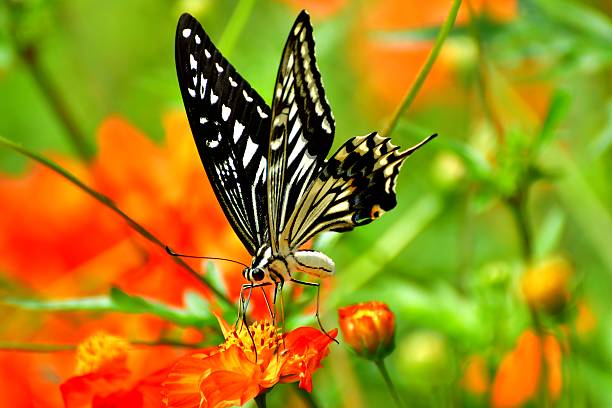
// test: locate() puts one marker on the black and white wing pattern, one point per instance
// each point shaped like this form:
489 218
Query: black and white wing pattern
230 123
356 186
302 129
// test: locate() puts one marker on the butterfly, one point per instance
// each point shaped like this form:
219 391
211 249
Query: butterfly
268 166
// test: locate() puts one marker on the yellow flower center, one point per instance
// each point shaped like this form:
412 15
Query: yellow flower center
99 351
263 336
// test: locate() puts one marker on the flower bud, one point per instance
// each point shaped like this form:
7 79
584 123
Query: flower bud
545 287
369 329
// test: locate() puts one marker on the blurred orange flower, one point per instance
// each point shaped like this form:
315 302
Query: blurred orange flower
369 328
388 67
318 8
57 242
545 286
520 372
244 366
476 375
103 378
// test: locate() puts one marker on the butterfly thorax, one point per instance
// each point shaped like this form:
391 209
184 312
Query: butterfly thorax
268 267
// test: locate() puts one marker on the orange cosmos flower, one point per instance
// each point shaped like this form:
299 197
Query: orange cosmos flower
369 328
520 372
58 242
103 378
243 367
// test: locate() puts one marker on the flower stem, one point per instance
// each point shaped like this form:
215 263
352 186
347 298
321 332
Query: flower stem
518 206
28 53
234 27
383 371
426 68
106 201
260 400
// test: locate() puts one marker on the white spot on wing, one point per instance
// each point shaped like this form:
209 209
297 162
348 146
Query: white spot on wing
192 62
203 82
276 143
232 82
293 111
186 32
219 67
325 125
238 128
213 98
207 53
262 113
246 96
249 152
299 146
197 39
192 92
225 112
212 143
203 120
294 130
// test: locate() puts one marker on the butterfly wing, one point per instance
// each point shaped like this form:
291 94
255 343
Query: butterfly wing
302 129
356 186
230 123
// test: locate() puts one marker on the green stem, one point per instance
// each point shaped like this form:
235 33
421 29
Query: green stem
483 75
234 27
29 55
57 103
518 206
424 72
52 348
106 201
260 400
380 364
543 400
307 397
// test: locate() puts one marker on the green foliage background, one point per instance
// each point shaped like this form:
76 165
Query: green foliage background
448 259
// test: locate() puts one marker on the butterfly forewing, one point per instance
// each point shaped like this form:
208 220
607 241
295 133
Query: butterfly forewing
230 123
302 129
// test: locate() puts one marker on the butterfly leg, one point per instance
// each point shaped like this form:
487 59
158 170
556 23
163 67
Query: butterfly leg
318 286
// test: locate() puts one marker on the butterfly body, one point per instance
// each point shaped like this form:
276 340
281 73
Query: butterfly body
268 166
275 269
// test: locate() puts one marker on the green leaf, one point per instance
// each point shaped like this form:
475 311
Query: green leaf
119 301
94 303
196 304
215 278
557 111
549 234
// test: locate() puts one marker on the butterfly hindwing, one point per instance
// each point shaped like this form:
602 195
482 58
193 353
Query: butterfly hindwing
302 128
356 186
230 123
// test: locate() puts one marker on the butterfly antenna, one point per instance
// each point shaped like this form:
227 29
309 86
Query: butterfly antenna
172 253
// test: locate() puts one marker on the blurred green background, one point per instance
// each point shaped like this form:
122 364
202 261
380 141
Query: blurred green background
519 176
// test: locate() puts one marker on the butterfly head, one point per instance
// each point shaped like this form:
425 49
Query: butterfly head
254 274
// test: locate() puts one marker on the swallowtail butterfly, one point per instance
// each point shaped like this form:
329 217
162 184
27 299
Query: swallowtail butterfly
268 166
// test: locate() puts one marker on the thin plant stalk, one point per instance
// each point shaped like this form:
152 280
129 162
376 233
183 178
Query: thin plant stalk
106 201
425 69
234 27
260 400
380 364
28 53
